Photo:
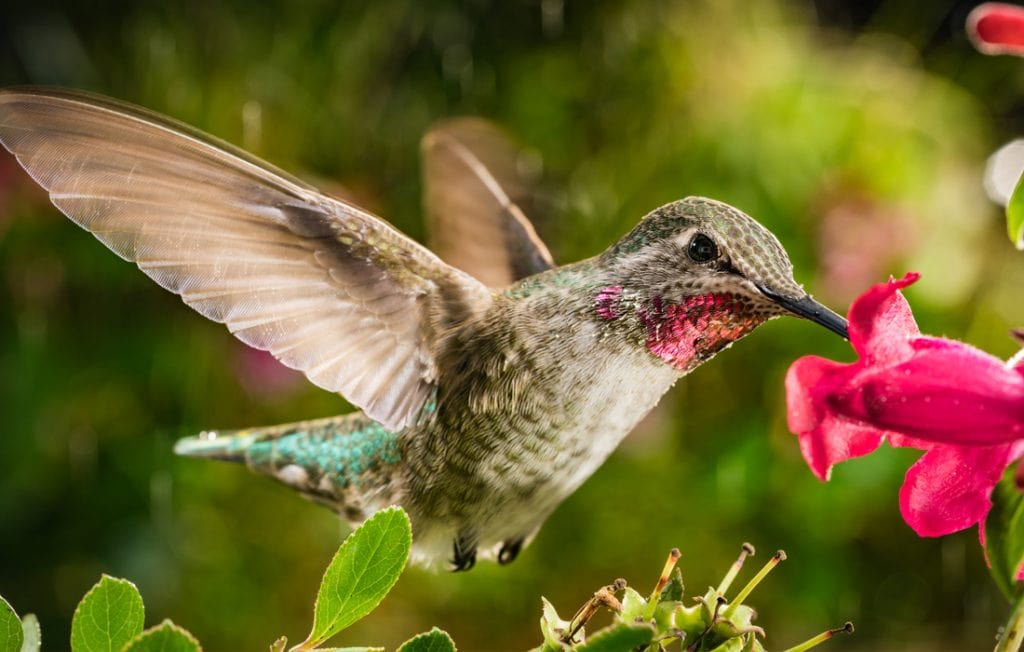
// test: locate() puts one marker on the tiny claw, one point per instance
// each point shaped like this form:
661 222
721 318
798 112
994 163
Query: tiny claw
463 554
748 548
509 551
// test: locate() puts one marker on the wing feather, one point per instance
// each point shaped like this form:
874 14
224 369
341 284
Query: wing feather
471 189
325 286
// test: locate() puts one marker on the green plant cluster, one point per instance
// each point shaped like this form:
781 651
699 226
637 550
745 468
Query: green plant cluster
110 617
712 623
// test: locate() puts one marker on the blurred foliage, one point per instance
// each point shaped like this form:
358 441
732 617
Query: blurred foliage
856 131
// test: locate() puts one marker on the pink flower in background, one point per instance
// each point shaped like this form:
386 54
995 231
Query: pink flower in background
962 406
997 28
263 376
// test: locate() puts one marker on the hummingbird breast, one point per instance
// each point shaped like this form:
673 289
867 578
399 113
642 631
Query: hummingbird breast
528 408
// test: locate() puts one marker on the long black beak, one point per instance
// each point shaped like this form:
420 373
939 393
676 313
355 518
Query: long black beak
808 308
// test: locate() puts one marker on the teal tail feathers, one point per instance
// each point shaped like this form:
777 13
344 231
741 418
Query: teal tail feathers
348 463
228 446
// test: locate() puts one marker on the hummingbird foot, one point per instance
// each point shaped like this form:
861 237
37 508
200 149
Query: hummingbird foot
510 550
463 553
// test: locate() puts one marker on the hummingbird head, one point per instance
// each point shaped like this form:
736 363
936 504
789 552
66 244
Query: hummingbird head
700 274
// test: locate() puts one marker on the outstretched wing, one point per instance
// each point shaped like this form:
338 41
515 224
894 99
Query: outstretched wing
471 186
325 286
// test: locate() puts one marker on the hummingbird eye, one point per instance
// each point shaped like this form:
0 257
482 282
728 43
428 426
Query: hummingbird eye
702 249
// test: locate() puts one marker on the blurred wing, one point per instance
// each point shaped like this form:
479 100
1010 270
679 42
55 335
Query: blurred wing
325 286
471 186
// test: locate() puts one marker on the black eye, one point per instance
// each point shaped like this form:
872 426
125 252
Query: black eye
702 249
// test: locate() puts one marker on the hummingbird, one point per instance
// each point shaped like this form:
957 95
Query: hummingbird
491 382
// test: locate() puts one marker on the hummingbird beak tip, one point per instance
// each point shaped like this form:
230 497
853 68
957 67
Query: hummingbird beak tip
810 309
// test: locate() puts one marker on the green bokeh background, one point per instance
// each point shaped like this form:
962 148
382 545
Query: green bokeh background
855 131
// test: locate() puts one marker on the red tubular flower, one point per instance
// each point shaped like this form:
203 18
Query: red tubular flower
997 28
962 406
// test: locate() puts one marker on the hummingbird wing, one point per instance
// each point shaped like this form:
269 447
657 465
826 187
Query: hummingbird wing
471 190
325 286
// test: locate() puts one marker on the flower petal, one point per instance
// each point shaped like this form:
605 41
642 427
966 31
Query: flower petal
826 436
948 489
1017 361
946 392
881 323
997 28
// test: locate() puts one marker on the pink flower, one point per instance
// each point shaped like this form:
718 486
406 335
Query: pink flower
962 406
997 28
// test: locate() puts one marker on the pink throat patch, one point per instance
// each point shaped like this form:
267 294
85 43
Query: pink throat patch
684 334
687 333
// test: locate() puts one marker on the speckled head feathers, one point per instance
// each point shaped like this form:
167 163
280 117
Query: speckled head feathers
748 255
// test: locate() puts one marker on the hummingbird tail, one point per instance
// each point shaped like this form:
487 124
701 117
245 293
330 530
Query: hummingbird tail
347 463
228 446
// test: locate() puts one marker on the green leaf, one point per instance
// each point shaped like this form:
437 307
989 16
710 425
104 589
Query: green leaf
349 649
109 616
1004 533
436 640
165 637
1015 215
673 591
362 572
33 635
633 605
618 637
11 634
552 627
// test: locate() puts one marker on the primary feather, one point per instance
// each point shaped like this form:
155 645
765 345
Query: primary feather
325 286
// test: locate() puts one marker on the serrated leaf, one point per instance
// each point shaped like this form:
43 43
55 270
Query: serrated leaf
618 637
349 649
11 634
110 615
165 637
436 640
1004 532
362 572
33 634
552 627
1015 215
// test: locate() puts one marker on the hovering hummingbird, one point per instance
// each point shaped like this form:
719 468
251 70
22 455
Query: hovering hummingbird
492 382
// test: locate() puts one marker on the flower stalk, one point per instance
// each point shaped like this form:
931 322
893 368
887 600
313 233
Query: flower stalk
752 584
1012 635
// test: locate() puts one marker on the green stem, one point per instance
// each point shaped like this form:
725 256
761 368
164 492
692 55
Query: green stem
745 591
1013 633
